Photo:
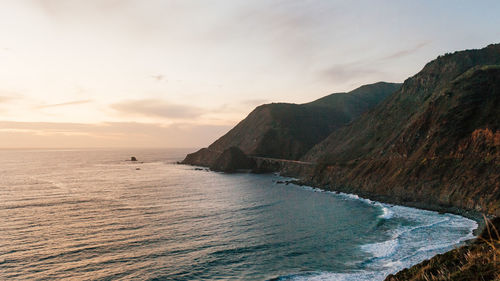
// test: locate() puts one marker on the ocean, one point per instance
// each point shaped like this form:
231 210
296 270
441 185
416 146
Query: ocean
93 215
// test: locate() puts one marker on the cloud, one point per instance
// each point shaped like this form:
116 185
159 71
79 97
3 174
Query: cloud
157 108
107 134
64 9
364 69
158 77
4 99
289 29
349 72
405 52
65 103
254 102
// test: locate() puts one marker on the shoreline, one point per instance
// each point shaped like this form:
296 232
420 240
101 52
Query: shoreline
476 216
467 241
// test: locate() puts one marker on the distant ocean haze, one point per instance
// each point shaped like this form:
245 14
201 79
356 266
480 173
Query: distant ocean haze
91 214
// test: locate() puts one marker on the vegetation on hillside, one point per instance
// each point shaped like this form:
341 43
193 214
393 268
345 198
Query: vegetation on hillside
435 142
288 131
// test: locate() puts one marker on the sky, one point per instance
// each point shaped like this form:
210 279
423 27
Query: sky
167 73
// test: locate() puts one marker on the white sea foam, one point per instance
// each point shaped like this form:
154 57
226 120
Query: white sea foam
387 213
361 275
382 249
420 235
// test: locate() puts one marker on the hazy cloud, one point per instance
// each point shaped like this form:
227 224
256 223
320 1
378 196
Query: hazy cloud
349 72
108 134
405 52
9 97
366 68
65 103
158 77
235 108
4 99
157 108
254 102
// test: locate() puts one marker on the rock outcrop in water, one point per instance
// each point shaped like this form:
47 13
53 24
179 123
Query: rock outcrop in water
288 131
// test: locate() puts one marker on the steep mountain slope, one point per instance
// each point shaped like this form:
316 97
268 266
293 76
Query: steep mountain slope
288 131
435 142
377 130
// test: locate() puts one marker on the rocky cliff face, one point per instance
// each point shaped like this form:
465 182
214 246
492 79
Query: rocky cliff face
232 160
435 142
203 157
288 131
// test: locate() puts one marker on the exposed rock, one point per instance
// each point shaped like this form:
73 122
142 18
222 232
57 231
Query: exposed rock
231 160
435 142
133 159
204 157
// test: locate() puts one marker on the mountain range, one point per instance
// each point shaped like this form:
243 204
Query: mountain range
432 142
289 131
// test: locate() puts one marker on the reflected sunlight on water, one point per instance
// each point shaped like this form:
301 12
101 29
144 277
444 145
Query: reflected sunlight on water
92 215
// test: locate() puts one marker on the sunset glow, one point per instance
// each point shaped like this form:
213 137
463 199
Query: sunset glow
181 73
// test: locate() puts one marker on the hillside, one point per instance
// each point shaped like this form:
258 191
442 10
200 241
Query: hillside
288 131
434 143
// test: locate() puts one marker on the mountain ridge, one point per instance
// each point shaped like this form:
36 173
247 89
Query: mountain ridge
288 131
423 145
432 144
415 146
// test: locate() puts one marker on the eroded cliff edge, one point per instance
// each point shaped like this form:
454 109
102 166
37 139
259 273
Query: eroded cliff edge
288 131
435 143
432 144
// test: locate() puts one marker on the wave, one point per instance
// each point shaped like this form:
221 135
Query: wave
361 275
387 213
416 235
382 249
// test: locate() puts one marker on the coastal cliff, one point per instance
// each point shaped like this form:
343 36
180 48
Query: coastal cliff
288 131
433 144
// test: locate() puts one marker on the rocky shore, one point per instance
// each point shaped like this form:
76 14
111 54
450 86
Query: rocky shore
432 144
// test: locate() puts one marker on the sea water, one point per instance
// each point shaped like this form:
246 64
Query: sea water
93 215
